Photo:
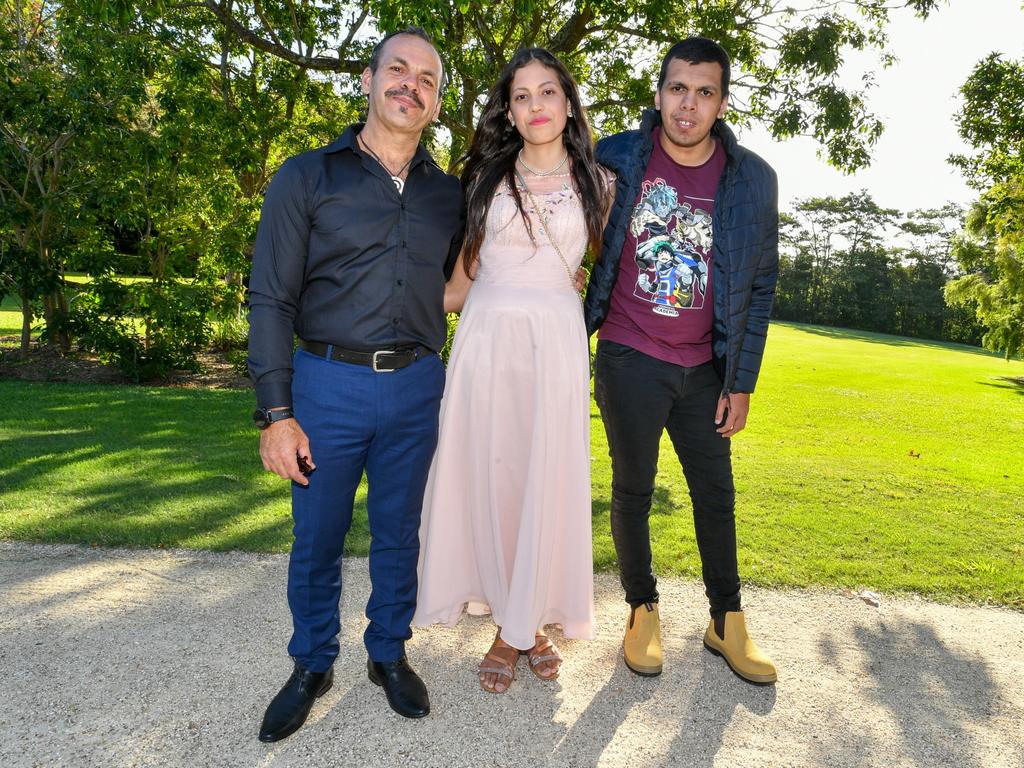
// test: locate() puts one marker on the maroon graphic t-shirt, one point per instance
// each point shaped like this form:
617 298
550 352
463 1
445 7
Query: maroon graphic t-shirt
662 302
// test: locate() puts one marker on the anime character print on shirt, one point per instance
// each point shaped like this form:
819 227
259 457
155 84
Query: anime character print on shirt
673 243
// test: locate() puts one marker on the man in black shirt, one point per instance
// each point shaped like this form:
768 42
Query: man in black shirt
354 245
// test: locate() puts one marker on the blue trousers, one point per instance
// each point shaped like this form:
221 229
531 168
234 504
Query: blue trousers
386 425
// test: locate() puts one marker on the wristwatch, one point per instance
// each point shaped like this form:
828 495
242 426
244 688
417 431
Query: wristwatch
264 417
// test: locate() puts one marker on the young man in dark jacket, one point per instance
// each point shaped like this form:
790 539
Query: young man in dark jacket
682 295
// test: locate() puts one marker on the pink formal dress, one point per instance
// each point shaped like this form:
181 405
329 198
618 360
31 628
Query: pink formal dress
506 514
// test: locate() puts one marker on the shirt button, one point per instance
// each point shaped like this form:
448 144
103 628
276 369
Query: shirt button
399 282
394 321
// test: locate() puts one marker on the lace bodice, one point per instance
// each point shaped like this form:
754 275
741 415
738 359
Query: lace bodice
509 255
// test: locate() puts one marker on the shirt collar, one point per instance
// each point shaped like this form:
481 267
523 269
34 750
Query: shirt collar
347 140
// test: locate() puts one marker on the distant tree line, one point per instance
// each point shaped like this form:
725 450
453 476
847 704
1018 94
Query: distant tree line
849 262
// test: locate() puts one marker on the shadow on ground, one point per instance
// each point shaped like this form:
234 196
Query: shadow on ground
169 659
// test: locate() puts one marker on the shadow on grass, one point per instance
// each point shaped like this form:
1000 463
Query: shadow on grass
661 503
141 467
1013 383
887 339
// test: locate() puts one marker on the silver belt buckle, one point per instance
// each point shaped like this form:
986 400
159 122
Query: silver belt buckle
375 364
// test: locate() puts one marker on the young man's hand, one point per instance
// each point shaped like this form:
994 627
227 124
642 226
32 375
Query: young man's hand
734 408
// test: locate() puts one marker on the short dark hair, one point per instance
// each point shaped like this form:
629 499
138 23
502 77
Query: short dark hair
697 50
414 31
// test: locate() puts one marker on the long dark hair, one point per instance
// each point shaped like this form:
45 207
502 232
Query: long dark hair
496 143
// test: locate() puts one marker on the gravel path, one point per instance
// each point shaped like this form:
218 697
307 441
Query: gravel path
142 658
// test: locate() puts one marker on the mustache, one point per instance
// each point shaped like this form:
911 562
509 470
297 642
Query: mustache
407 94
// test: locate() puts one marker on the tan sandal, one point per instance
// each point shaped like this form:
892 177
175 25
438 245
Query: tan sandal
499 660
543 651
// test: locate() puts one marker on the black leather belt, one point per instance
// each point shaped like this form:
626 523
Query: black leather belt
382 361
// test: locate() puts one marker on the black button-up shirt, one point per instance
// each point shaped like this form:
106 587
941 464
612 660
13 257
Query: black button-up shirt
342 258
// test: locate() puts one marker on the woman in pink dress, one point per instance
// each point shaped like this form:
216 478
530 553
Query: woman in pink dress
506 521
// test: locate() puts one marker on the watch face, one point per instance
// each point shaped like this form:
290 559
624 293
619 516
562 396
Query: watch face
261 418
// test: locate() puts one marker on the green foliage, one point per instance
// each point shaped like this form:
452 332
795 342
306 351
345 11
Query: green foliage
788 60
138 137
992 255
153 143
991 251
106 314
992 120
65 93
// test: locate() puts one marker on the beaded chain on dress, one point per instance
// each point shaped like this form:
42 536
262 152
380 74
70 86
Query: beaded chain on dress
561 208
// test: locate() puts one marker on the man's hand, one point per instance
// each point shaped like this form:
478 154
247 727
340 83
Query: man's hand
280 444
734 408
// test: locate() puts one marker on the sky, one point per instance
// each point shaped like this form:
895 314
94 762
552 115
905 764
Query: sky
917 99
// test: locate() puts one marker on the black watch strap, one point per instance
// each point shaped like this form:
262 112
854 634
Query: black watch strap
264 417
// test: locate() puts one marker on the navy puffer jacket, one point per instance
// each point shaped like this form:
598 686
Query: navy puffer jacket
745 230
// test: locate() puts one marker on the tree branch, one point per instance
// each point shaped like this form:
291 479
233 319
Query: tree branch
568 38
493 52
258 7
356 24
629 103
631 31
319 63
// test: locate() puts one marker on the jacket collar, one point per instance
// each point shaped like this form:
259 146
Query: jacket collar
651 119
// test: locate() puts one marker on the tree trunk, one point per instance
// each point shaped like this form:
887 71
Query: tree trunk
26 321
54 311
235 279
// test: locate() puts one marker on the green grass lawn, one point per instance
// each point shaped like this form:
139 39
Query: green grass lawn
10 323
869 460
10 316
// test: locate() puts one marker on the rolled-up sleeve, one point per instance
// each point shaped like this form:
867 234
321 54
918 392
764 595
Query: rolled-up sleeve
275 285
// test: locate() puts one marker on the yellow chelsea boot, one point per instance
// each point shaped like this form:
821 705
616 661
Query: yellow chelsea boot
727 637
641 647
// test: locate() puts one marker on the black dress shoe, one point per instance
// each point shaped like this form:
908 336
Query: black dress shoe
290 708
406 693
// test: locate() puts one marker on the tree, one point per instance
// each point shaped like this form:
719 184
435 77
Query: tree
165 126
193 174
62 95
928 264
834 248
788 60
126 153
991 253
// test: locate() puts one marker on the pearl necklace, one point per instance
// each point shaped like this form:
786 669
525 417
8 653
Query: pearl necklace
395 177
543 173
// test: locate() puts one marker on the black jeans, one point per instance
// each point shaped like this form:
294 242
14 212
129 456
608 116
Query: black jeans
640 397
